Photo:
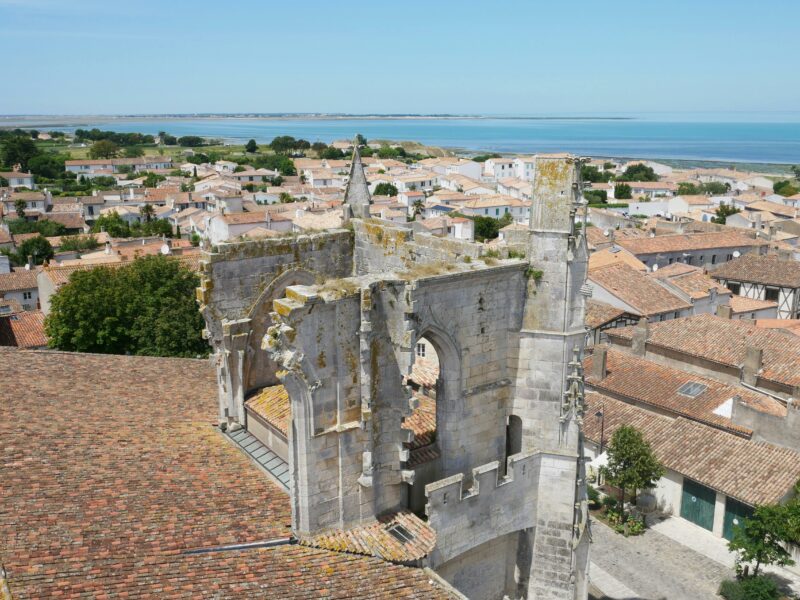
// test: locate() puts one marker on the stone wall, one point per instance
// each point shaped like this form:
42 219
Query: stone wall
466 517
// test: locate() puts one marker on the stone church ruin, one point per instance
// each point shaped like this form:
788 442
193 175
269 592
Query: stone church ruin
476 473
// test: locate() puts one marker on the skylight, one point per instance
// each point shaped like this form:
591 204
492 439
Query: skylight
692 389
400 533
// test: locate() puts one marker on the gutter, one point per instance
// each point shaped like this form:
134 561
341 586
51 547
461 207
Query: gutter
234 547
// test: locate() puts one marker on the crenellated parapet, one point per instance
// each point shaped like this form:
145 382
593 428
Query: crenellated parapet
494 505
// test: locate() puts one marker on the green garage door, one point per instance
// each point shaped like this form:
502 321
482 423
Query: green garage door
735 513
697 504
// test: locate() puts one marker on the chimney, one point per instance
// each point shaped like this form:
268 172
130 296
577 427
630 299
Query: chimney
725 311
599 360
639 340
108 248
29 266
753 360
758 221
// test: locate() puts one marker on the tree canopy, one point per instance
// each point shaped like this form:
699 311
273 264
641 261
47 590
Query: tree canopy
385 189
622 191
19 150
723 212
251 146
37 248
638 172
785 188
145 308
592 174
104 149
632 465
761 538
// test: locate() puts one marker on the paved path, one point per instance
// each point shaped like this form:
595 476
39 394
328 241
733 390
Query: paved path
652 566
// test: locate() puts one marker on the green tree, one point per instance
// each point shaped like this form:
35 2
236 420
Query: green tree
361 140
103 149
112 224
385 189
285 198
796 171
37 247
485 157
723 212
632 465
715 188
486 228
145 308
3 182
151 180
50 166
593 174
147 211
133 152
622 191
332 153
18 150
191 141
762 537
638 172
44 227
78 243
19 206
417 206
785 188
251 147
596 196
687 188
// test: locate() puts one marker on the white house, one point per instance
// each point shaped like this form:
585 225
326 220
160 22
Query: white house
499 168
18 179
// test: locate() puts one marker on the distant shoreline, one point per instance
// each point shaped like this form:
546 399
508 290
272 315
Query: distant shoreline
12 121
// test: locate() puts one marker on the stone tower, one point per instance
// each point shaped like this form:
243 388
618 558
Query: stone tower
324 327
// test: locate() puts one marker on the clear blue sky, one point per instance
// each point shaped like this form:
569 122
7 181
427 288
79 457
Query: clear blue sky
512 57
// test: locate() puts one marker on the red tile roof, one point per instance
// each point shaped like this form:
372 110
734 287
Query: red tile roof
690 280
377 540
637 290
692 241
752 472
272 405
725 341
117 470
599 313
17 281
740 304
753 268
636 379
23 330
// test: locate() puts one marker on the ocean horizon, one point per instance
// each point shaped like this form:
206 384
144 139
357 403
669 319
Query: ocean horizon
723 137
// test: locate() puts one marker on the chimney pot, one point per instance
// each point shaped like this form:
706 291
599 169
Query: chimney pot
599 362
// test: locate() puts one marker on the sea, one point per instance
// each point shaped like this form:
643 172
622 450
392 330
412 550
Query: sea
725 137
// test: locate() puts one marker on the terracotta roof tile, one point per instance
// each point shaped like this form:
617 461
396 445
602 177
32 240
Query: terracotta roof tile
692 241
272 405
740 304
23 330
414 538
725 341
769 270
116 471
18 280
639 380
752 472
637 290
599 313
690 280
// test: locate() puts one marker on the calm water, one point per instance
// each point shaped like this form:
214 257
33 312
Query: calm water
773 139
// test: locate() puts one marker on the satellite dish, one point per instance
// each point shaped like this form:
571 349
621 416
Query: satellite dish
655 268
165 249
736 254
606 233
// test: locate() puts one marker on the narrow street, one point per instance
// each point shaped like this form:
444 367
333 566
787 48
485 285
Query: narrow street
653 566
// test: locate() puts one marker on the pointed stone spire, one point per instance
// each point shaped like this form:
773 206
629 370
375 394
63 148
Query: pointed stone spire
357 195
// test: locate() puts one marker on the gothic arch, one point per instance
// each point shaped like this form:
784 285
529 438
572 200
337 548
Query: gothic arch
449 403
259 367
